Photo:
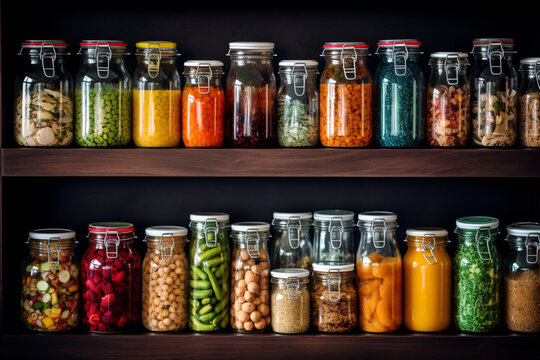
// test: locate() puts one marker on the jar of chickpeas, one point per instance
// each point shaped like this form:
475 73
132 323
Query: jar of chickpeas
165 268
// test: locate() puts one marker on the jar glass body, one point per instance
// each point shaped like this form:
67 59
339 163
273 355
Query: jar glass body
333 243
290 305
529 107
292 245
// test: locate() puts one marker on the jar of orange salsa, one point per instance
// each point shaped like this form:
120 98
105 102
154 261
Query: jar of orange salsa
427 284
203 104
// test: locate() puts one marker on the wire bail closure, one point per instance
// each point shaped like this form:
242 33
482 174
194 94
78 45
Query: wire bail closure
335 241
349 72
211 227
116 242
154 58
252 243
293 284
532 248
378 224
299 90
203 76
47 55
537 73
400 69
294 228
166 249
484 255
53 253
336 282
495 57
452 78
103 56
427 245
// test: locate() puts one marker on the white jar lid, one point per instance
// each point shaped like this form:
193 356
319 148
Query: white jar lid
250 225
251 45
530 61
423 231
523 228
327 215
289 273
213 63
298 62
287 216
50 233
166 229
477 222
319 267
444 54
372 215
203 216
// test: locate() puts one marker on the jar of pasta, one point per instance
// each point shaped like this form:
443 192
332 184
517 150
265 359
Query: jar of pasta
346 96
333 236
156 95
292 244
290 301
529 102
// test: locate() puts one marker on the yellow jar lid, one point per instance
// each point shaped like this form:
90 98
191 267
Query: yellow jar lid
156 44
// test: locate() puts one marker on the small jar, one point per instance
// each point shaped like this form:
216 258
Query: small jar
292 244
50 281
529 102
477 275
298 104
250 282
111 278
103 95
164 279
203 104
494 82
334 301
333 238
157 95
427 284
379 272
522 278
44 95
448 100
346 96
251 95
290 301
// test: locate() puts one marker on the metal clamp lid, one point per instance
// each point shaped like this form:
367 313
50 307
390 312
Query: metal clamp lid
378 224
166 255
484 255
495 57
336 281
400 69
294 228
53 252
293 284
47 55
103 56
253 243
336 228
532 248
114 241
349 72
299 90
203 78
154 60
427 245
452 69
211 226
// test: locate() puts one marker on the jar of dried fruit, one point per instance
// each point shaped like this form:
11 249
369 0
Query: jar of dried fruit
50 281
333 236
292 244
529 102
522 278
290 301
111 278
44 95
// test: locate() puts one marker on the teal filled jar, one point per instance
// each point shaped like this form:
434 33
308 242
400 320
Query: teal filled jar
477 275
399 94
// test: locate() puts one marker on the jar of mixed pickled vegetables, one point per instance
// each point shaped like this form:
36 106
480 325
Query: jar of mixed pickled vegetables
448 100
251 95
333 238
165 279
477 275
292 244
346 96
111 278
157 95
103 95
50 281
529 102
203 104
44 95
494 86
379 272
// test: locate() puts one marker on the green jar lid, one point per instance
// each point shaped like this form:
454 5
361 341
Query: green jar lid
477 222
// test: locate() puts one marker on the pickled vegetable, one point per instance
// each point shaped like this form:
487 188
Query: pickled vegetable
203 117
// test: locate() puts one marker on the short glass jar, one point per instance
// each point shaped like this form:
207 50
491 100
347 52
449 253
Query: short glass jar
529 103
290 301
292 240
333 238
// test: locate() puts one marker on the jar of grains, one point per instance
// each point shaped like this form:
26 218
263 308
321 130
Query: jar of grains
290 301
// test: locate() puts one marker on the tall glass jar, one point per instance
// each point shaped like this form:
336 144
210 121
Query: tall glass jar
494 85
522 278
427 280
157 95
399 94
251 95
250 298
44 95
165 279
292 244
103 95
50 281
346 96
477 275
290 301
209 272
333 237
334 300
111 278
203 104
379 272
529 102
298 103
448 100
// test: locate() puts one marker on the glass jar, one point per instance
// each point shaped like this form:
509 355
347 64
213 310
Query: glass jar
111 278
298 104
427 280
292 244
290 301
251 95
333 238
44 95
494 84
103 95
203 104
522 278
334 301
477 275
50 281
209 272
379 272
164 279
157 95
250 301
346 96
448 100
400 93
529 102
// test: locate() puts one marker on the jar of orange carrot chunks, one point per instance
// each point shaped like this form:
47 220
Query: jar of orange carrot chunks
346 96
203 104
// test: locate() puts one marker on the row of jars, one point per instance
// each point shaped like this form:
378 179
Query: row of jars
481 109
213 287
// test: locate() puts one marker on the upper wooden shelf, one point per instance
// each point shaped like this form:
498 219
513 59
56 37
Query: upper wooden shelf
317 162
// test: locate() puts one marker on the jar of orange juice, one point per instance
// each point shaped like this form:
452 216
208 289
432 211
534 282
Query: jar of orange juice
427 270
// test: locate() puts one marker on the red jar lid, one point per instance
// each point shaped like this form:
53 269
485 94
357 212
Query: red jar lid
103 227
112 43
340 45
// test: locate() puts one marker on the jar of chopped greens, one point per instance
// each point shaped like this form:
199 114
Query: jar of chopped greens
477 275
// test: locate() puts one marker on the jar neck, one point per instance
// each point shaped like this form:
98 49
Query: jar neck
334 275
221 226
419 242
251 60
290 281
40 248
